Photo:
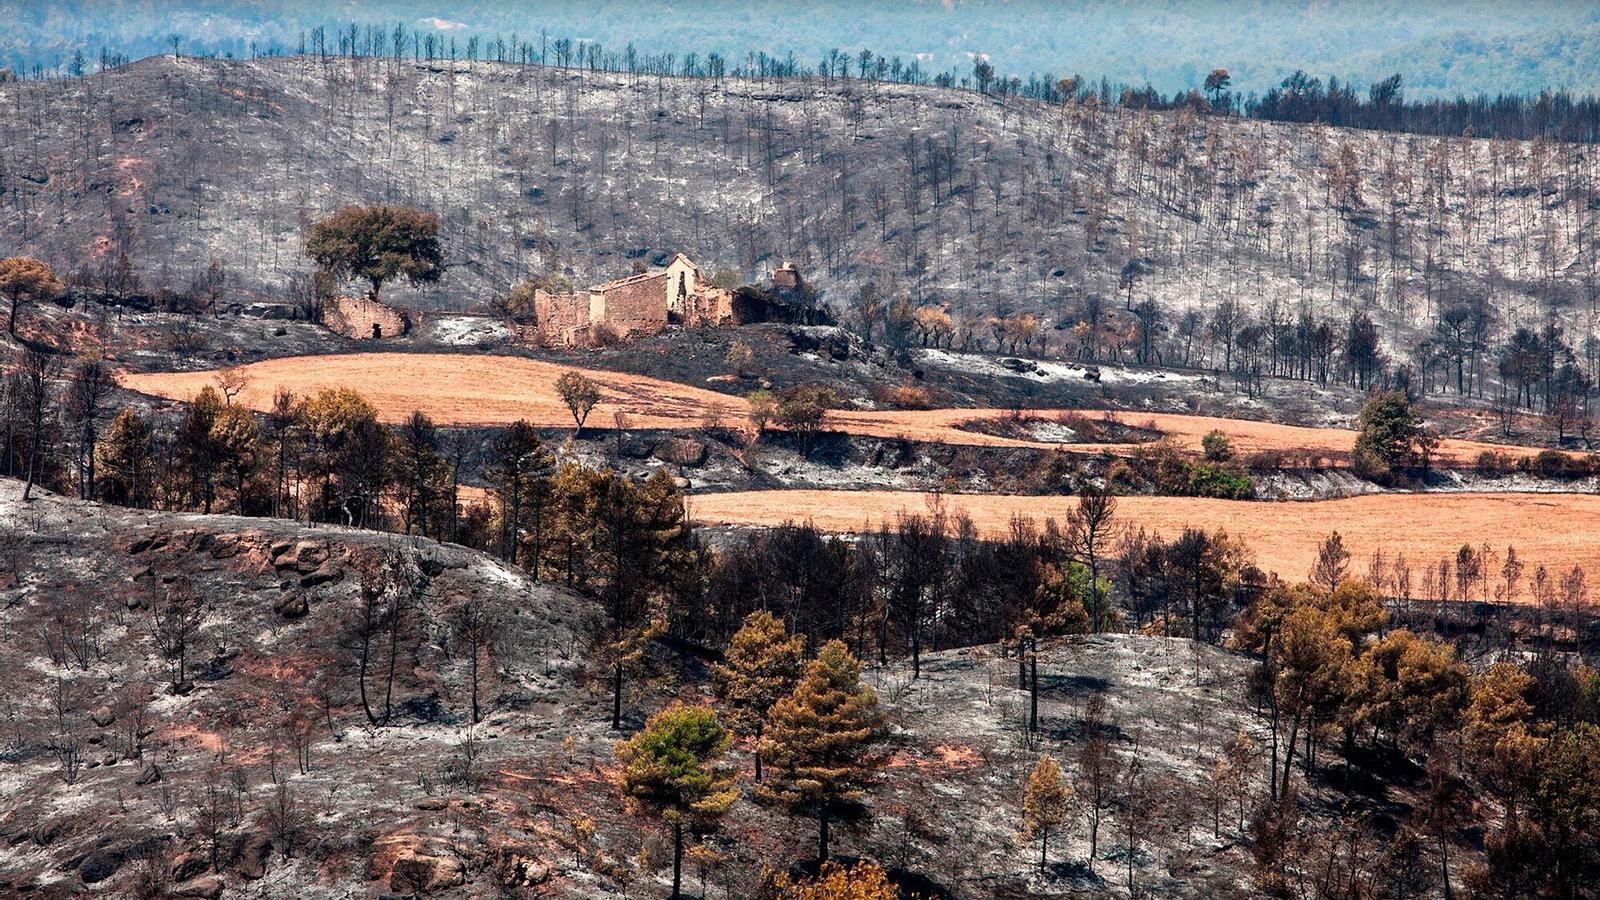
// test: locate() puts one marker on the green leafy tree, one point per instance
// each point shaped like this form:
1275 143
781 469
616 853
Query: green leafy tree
377 244
763 409
579 394
1391 436
1216 446
668 770
741 357
800 410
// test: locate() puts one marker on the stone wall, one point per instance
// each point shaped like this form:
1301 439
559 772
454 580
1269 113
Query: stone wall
354 317
563 319
712 306
634 306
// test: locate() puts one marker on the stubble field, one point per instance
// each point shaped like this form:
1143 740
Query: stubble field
483 390
1557 531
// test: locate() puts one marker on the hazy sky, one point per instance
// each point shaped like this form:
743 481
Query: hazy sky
1443 47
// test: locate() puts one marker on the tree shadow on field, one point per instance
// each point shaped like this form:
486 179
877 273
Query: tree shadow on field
1070 687
1368 778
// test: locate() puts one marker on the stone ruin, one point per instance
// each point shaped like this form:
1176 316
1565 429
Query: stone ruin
678 293
363 318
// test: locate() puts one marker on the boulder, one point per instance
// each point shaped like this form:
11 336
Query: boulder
45 833
102 716
292 606
189 865
304 557
519 866
101 864
205 887
253 855
682 451
263 310
637 448
417 872
150 774
325 575
143 544
433 567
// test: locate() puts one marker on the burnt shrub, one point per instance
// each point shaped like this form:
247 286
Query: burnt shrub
1493 464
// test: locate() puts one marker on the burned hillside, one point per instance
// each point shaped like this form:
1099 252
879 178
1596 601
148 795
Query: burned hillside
258 762
977 204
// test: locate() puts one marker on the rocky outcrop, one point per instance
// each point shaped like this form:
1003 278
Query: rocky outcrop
203 887
101 864
426 873
414 864
681 451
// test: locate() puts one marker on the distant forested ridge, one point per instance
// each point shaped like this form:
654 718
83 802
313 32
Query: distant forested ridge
61 47
1521 75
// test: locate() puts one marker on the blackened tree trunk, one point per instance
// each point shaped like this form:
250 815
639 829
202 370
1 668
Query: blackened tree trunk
616 695
822 833
1033 690
677 860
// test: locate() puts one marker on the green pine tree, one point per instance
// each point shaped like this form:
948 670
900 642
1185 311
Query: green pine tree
668 771
819 739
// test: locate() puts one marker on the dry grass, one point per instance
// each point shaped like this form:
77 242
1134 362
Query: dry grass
466 389
1558 531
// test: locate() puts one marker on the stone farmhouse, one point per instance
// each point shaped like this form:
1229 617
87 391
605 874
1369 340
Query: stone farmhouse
678 293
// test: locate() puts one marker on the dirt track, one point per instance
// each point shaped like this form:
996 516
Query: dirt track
468 389
1557 531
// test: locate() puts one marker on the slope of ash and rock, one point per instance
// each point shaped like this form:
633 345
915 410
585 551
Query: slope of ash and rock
112 762
116 779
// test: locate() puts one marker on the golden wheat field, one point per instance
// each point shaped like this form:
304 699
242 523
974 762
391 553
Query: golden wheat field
472 389
1558 531
458 389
